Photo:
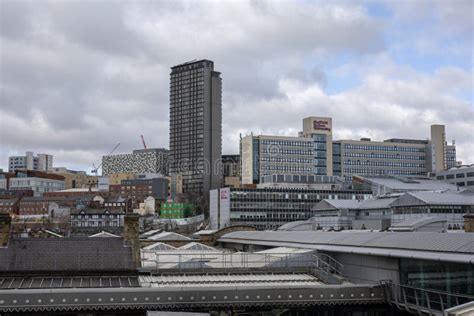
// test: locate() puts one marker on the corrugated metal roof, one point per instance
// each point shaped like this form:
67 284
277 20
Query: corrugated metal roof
416 222
413 184
376 203
207 280
422 241
159 246
344 204
196 246
168 236
104 234
446 198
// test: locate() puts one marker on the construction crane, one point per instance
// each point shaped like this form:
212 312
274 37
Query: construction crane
143 141
94 171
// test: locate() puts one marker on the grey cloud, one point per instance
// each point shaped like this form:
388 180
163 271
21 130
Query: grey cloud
15 18
81 76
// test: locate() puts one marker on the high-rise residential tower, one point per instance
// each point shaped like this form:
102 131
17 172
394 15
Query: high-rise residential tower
195 125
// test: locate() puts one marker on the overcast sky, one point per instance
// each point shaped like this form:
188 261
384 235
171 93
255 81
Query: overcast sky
78 77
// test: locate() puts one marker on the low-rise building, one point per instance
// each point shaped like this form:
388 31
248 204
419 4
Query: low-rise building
59 210
117 203
116 178
5 179
382 212
462 176
139 189
90 220
370 214
33 207
9 194
451 206
71 193
9 206
383 185
173 210
76 179
269 208
38 181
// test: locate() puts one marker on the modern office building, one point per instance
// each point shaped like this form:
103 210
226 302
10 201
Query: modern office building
319 130
344 158
312 182
195 125
151 160
41 162
270 208
268 155
75 179
38 181
462 176
5 179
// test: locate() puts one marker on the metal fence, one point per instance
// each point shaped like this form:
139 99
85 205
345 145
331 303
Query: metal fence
319 264
420 300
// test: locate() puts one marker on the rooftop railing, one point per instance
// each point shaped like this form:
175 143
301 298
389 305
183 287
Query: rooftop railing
322 265
422 301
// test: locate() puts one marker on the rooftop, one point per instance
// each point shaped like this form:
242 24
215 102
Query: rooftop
422 245
415 223
408 183
435 198
65 254
168 236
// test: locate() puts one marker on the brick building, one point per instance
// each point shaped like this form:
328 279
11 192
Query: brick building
9 206
139 189
33 207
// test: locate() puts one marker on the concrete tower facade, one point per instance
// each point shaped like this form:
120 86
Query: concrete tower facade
196 125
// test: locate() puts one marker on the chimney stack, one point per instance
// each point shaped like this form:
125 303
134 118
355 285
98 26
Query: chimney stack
5 227
131 236
469 223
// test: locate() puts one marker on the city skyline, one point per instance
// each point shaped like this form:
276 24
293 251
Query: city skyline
360 63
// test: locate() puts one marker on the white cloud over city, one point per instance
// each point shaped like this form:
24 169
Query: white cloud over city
77 77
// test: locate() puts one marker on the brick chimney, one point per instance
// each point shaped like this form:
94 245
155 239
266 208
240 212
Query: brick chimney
5 227
131 236
469 223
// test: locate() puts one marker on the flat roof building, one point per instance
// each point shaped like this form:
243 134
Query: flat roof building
38 181
151 160
41 162
462 176
315 152
269 208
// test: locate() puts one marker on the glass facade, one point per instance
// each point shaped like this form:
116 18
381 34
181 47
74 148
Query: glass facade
443 276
